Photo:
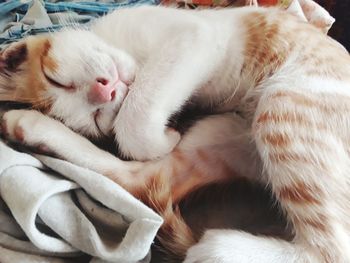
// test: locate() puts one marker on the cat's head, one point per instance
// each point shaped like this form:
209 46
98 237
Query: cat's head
71 75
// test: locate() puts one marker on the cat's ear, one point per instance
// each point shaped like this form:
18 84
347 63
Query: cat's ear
10 59
13 56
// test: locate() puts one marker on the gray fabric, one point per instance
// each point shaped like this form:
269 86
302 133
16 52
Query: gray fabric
52 211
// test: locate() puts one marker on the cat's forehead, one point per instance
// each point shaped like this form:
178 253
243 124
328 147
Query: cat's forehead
71 39
39 46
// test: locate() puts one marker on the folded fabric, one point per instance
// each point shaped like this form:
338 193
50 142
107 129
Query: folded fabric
53 211
20 18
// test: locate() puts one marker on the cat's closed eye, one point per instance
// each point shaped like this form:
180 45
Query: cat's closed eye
56 83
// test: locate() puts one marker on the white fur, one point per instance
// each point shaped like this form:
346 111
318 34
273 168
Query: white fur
164 54
231 246
179 55
81 63
151 100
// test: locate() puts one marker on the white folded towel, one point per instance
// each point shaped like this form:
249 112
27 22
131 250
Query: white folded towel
65 210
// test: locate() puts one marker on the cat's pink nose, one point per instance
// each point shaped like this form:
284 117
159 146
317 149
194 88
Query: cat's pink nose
101 91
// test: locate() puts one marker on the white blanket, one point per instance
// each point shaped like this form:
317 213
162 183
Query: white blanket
54 211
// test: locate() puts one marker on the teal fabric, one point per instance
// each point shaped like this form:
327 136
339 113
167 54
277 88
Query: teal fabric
19 18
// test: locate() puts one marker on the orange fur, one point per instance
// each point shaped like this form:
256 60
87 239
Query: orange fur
300 193
276 129
165 182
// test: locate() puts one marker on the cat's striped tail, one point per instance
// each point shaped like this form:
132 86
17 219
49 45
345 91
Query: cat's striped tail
175 236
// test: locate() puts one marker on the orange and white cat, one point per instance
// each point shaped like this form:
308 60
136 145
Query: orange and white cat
137 67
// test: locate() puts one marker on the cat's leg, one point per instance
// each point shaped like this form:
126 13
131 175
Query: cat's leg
32 128
169 77
215 149
302 140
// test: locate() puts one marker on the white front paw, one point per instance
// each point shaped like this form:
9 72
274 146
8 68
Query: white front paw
149 145
126 66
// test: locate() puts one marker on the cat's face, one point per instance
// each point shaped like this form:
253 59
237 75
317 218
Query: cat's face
70 75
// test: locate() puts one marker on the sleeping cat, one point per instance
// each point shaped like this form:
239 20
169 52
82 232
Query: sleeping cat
137 67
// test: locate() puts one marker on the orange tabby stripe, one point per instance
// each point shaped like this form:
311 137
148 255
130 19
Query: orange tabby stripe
264 59
317 223
283 117
300 193
318 103
285 157
277 139
284 140
279 158
291 118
